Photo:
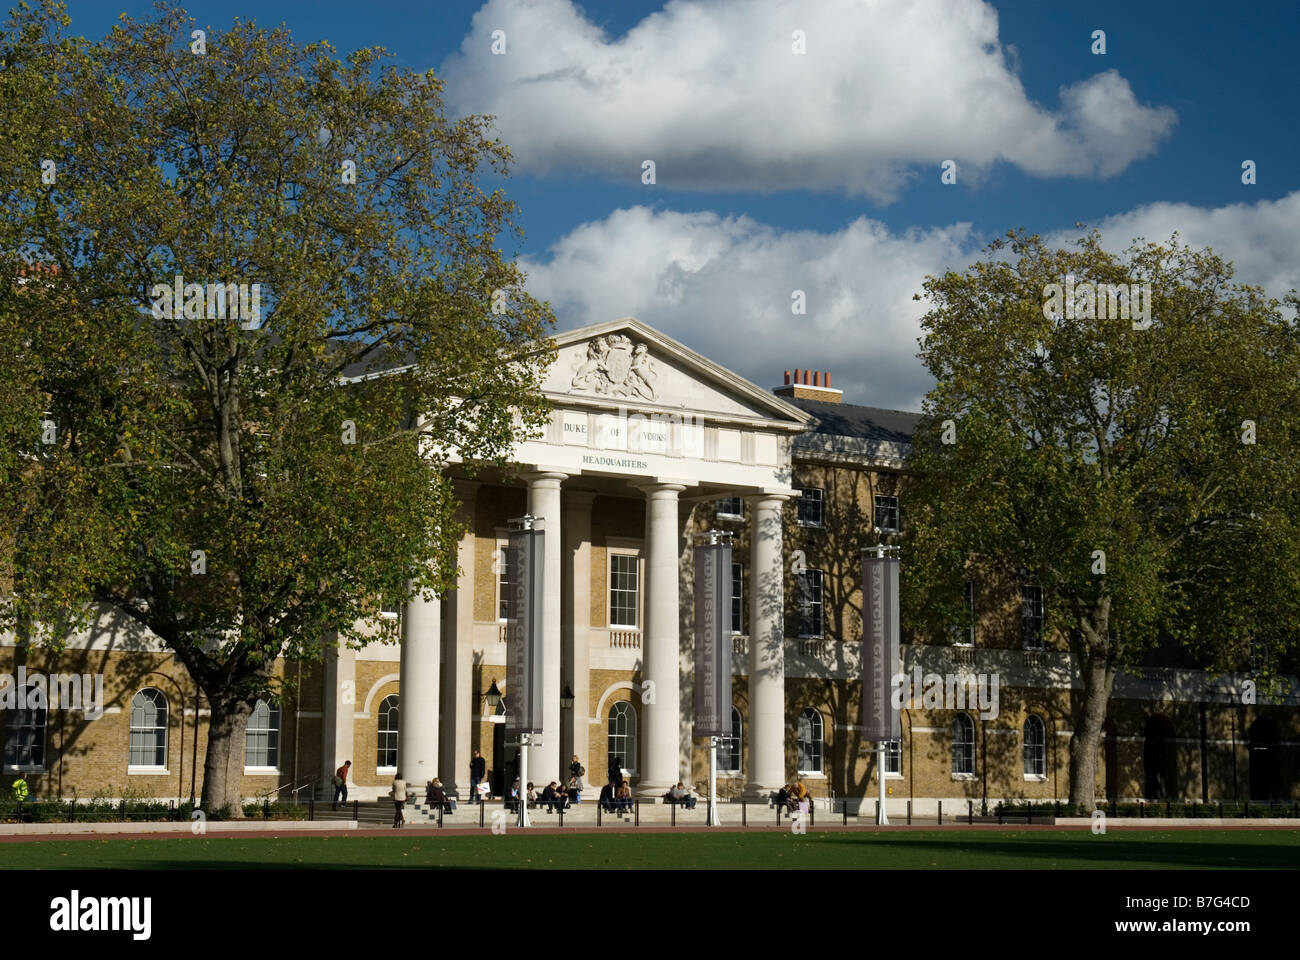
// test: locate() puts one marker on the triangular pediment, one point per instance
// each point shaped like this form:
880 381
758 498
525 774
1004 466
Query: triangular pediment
627 363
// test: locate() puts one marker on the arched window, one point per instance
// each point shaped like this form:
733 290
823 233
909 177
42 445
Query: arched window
963 745
809 743
622 734
25 729
1035 747
148 729
262 741
386 755
729 747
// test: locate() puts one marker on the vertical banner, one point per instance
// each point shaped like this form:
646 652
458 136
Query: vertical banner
713 640
524 631
880 720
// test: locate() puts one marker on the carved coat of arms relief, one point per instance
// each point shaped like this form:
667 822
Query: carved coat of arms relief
615 367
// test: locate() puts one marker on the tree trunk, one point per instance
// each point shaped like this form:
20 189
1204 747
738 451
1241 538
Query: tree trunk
223 765
1085 740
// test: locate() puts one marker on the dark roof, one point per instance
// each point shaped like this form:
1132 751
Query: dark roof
864 423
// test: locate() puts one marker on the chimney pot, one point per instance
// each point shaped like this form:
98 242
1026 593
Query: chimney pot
817 378
828 379
787 377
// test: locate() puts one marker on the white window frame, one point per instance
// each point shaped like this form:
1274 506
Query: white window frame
635 556
1039 774
734 741
272 730
149 768
502 555
381 714
966 632
818 737
898 516
1041 617
806 501
630 764
804 581
968 725
894 760
44 715
726 514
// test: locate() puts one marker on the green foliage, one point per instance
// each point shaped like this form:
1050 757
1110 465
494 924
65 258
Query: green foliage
189 432
1082 439
1079 435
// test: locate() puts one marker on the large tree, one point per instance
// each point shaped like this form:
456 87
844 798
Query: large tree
245 486
1143 473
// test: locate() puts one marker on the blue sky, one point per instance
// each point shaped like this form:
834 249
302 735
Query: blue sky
821 171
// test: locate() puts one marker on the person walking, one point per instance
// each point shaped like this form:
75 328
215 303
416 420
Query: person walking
20 796
399 799
341 784
477 771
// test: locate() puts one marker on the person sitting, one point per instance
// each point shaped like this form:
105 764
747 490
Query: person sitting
437 796
784 797
532 794
798 794
675 793
684 796
552 797
607 798
625 797
574 789
512 798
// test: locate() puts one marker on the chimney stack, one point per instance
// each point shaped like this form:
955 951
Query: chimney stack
809 385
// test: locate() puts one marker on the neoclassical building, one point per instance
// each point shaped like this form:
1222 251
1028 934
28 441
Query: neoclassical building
648 445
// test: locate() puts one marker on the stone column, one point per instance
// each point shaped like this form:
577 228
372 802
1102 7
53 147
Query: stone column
660 760
577 623
544 503
766 647
417 729
459 706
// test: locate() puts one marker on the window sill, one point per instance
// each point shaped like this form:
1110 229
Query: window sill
261 771
811 775
893 776
964 776
730 516
24 768
385 771
810 525
1036 777
147 772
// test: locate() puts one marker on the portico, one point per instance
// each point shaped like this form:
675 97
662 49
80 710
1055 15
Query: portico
643 430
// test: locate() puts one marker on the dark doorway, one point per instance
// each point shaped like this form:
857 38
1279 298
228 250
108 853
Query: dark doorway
1159 759
498 775
1264 780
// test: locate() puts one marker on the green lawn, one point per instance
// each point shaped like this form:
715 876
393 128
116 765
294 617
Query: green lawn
913 850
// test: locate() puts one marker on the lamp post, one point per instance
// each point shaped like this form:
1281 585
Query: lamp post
524 643
713 650
880 657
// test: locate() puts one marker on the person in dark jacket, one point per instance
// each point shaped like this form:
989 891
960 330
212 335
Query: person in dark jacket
616 771
477 771
607 797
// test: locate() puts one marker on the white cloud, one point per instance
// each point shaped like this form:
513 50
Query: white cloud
710 90
722 285
1259 239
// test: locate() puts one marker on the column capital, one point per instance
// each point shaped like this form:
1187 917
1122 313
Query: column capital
651 487
780 496
544 475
